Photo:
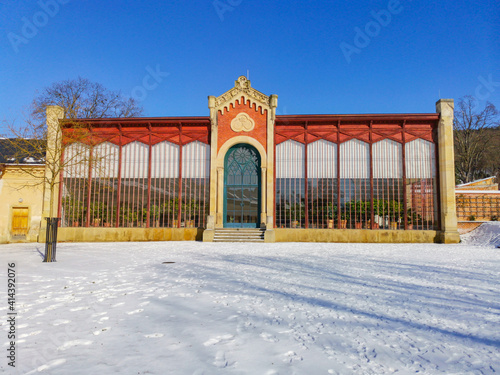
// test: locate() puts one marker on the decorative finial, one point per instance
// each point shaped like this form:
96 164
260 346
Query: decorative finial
242 82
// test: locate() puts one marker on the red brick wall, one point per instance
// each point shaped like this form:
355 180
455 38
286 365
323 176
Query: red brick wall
224 123
482 206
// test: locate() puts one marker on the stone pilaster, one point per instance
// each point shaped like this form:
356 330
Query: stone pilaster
273 104
213 156
263 184
449 230
54 113
219 218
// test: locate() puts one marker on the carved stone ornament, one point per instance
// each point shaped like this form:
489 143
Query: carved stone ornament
242 123
242 82
242 86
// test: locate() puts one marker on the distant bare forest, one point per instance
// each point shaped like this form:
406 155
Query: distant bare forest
477 141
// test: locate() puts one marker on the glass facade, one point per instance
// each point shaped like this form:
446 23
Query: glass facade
327 176
135 185
373 189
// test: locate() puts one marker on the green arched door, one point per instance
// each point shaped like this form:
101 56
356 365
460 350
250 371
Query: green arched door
242 187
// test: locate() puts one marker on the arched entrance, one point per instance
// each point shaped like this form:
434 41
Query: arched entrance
242 187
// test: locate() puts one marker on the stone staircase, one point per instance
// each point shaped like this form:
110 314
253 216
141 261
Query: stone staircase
239 235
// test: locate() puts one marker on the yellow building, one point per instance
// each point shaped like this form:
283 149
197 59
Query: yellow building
20 202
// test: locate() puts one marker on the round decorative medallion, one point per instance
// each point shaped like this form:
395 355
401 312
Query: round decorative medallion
242 123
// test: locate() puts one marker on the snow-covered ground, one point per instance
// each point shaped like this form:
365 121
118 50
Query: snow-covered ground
267 309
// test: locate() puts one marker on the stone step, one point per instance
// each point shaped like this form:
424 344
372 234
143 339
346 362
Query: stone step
239 235
238 240
240 230
242 237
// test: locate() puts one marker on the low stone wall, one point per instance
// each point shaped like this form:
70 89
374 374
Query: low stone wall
357 235
278 235
126 234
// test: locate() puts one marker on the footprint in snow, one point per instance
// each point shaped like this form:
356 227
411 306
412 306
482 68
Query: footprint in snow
291 356
47 366
29 334
97 333
70 344
268 337
79 308
135 311
218 339
154 335
220 359
98 314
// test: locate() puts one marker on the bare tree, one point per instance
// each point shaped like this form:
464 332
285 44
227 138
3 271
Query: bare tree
491 160
31 145
472 138
34 142
81 98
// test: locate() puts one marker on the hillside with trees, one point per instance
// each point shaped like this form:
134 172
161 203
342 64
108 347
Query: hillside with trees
477 140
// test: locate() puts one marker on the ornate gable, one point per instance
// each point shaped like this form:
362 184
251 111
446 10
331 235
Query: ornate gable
243 88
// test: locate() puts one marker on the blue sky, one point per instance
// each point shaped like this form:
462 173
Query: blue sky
295 49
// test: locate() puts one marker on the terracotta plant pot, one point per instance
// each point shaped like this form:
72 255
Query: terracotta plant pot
330 224
343 224
358 225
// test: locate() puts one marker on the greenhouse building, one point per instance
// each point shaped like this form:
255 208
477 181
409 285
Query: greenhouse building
245 173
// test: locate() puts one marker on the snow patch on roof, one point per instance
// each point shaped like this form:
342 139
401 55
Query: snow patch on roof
475 181
477 191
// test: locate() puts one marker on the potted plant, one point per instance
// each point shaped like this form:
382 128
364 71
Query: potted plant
332 215
395 212
75 210
359 210
296 212
374 225
344 217
132 218
154 216
97 212
412 218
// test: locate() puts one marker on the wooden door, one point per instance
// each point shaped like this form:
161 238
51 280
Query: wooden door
19 221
